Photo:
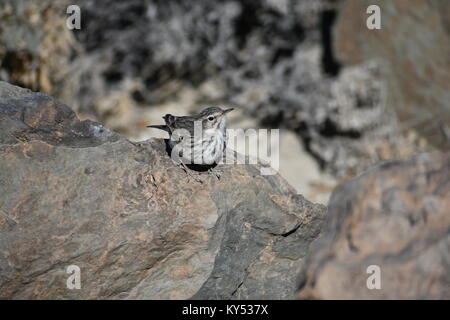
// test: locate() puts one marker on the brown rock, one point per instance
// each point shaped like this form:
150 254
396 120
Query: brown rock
75 193
413 46
395 216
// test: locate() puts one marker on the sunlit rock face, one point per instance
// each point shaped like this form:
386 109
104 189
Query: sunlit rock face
75 193
386 235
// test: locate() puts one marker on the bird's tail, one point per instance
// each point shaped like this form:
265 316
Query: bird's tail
160 127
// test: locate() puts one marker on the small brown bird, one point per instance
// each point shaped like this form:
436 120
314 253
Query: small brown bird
191 147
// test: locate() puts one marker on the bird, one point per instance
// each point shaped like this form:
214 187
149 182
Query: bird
199 139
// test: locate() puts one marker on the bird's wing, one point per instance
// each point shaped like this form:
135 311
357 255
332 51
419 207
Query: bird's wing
184 122
174 122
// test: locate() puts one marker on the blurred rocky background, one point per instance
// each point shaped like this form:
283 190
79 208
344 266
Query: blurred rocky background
345 98
310 67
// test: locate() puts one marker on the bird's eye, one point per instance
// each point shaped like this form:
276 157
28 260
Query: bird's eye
210 118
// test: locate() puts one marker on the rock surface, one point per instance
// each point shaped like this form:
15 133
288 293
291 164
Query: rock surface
395 216
413 48
76 193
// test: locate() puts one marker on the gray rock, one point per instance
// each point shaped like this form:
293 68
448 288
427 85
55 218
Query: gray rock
412 48
75 193
394 217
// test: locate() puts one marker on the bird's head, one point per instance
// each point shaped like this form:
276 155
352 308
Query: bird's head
214 117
